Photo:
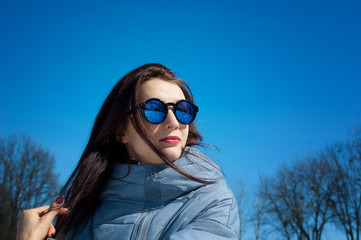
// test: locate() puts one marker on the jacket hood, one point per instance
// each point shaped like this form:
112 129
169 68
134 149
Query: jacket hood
151 186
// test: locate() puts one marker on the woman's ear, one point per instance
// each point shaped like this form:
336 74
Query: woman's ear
124 139
121 137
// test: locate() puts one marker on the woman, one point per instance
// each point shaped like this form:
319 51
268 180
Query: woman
139 177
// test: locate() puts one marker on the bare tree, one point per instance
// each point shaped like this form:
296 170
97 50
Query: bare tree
282 202
243 207
319 188
26 180
296 199
346 203
259 220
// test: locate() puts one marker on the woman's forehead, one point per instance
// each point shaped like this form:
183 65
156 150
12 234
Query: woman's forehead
166 91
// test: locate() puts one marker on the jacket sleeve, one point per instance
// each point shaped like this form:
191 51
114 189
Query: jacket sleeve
218 221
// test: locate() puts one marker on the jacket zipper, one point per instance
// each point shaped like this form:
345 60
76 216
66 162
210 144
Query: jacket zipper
141 227
192 201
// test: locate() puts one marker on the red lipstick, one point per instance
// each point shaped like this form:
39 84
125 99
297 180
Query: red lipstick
171 139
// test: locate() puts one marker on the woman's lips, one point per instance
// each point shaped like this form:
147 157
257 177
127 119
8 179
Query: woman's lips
171 140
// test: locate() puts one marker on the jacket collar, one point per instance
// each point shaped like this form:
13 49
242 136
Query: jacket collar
154 185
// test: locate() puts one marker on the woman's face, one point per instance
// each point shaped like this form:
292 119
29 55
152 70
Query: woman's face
170 134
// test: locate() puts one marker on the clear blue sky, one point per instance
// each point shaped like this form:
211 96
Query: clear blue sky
273 79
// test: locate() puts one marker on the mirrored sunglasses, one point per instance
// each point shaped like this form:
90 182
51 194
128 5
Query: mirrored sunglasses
155 111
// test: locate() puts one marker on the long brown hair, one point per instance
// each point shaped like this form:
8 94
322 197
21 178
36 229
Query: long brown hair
103 150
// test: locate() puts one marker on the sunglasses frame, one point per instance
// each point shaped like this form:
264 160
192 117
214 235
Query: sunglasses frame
166 105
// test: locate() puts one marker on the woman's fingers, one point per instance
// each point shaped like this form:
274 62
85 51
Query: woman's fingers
53 210
40 209
51 231
36 223
63 211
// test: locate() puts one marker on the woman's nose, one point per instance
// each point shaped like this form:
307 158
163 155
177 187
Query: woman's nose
171 121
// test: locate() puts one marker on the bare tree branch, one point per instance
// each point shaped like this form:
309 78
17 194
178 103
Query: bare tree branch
346 202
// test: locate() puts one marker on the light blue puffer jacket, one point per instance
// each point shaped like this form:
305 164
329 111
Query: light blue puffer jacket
156 202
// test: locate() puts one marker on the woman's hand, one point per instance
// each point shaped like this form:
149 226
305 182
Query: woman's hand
35 224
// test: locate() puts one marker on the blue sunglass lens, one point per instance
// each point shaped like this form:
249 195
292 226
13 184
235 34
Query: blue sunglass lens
154 111
184 112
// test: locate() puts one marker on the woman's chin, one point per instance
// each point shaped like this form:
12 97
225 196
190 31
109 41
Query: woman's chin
172 155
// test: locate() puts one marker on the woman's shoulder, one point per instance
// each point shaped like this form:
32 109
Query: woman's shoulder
200 163
196 163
